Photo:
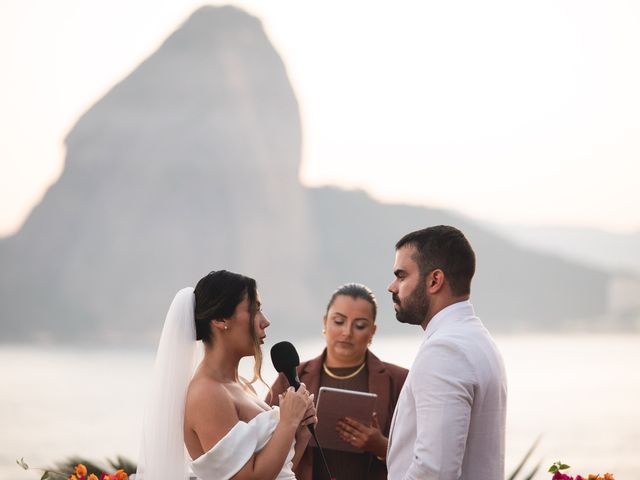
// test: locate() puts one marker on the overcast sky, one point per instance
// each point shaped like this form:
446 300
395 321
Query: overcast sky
511 112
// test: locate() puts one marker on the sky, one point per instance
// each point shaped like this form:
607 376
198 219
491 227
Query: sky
521 113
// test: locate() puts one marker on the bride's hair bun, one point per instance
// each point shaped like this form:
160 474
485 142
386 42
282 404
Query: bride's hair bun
217 295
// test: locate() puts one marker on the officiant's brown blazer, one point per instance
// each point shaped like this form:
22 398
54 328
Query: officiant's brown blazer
385 380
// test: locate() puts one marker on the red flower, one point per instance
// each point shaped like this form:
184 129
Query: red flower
561 476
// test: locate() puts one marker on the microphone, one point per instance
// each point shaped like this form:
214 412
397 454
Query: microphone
285 359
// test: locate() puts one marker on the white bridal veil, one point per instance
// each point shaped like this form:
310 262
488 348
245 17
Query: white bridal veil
162 451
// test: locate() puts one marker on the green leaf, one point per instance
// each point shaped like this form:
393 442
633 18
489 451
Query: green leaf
517 470
563 466
122 463
45 476
553 468
534 471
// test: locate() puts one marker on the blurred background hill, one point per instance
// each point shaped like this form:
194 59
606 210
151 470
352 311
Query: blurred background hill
192 162
618 252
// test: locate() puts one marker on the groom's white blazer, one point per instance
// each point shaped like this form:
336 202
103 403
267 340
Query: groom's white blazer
449 422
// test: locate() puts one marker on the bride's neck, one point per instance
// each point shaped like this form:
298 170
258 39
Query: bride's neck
223 366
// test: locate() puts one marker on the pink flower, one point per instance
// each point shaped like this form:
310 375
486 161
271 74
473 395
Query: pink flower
561 476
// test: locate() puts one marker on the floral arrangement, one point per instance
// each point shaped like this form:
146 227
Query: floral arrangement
80 472
558 475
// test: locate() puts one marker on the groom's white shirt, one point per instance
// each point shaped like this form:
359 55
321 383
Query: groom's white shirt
449 422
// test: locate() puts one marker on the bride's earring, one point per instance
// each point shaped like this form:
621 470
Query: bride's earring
324 331
226 327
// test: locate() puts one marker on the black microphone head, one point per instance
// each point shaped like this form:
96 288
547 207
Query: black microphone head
284 356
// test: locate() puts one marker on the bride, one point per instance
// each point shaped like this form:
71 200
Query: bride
227 430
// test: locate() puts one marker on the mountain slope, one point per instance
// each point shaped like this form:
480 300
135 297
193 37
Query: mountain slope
191 164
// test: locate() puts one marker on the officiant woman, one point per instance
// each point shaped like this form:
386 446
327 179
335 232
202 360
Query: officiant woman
347 363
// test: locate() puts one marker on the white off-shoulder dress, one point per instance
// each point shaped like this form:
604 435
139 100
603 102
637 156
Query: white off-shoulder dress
235 449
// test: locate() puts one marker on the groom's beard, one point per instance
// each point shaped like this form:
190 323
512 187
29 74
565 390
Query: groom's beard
415 307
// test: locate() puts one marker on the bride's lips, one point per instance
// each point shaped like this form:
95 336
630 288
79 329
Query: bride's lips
262 339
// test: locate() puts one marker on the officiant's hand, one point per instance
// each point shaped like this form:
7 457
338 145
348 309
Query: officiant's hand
363 437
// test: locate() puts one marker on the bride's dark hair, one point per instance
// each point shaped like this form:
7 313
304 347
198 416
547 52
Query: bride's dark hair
217 295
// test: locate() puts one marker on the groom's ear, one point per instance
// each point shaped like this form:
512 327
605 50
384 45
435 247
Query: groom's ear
435 281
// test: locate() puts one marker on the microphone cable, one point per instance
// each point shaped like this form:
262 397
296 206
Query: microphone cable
285 359
324 459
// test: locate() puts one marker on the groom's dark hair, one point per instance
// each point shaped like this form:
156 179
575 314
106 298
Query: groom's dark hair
446 248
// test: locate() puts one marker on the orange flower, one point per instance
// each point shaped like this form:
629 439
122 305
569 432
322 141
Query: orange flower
92 477
81 470
106 477
608 476
72 477
122 475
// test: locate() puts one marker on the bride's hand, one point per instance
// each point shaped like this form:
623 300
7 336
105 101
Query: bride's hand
293 405
309 418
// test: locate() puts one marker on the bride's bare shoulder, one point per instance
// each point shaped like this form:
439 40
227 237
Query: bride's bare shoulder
204 391
210 412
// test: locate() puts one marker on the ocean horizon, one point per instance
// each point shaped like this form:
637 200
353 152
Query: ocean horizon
577 392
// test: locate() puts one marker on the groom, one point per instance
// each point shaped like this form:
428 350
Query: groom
449 422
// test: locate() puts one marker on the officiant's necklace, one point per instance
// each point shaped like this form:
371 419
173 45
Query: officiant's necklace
342 377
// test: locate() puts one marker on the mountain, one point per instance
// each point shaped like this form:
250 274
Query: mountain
191 164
